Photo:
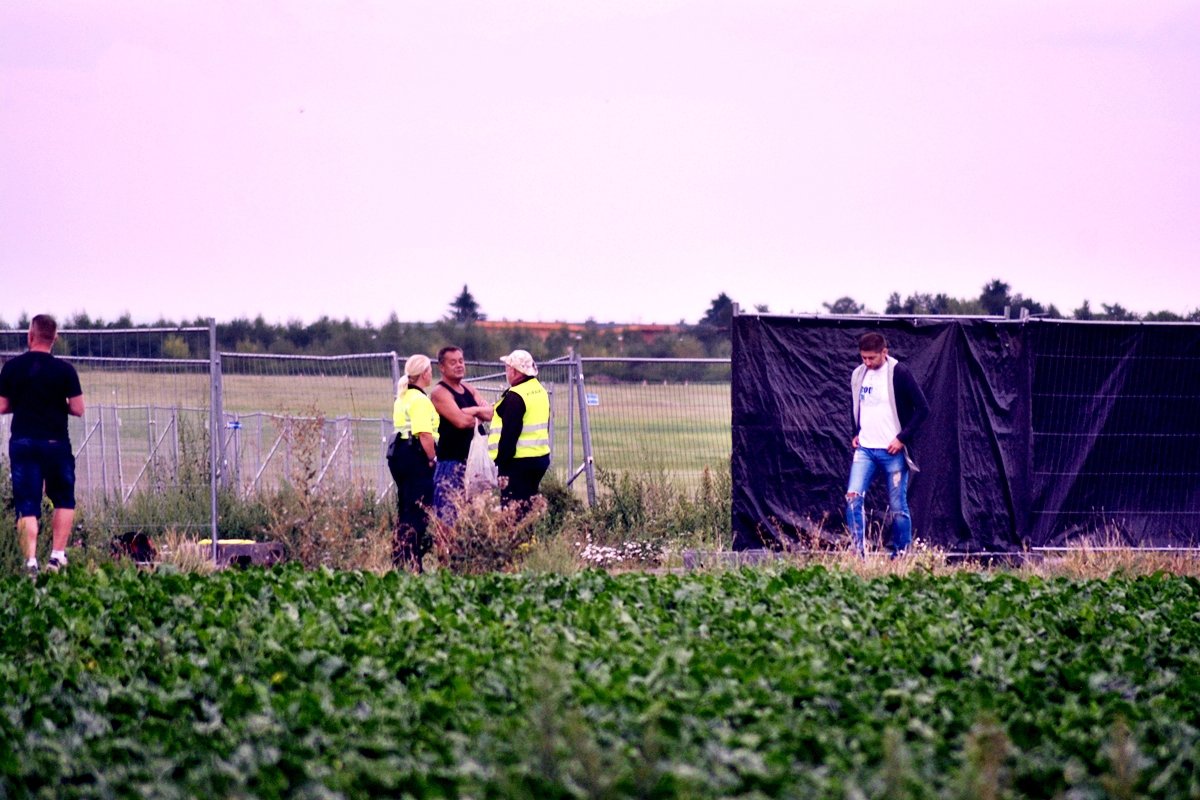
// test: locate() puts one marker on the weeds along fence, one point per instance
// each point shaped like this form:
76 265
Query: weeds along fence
157 397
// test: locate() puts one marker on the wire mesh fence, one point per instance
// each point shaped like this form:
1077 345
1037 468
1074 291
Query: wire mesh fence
1113 406
334 409
666 416
147 418
156 398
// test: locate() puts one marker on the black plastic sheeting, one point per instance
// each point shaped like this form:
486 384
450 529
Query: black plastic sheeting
1040 432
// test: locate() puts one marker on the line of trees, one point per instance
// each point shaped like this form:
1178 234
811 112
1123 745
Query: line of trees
708 338
997 299
328 336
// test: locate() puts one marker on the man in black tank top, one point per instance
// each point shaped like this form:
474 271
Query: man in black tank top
461 409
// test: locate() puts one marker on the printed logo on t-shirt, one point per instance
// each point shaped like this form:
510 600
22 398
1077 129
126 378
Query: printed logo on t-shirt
877 426
871 392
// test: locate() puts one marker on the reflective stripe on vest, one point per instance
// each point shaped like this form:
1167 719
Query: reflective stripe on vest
535 425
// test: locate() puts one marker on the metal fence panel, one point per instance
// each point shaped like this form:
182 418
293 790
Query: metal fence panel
145 425
334 411
668 416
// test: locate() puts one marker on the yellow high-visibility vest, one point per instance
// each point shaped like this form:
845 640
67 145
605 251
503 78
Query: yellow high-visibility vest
414 413
535 425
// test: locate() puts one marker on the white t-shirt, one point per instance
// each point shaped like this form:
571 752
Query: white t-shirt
877 426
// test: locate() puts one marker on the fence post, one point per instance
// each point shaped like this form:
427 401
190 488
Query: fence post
395 373
385 434
103 455
175 440
215 416
117 435
586 433
571 409
151 438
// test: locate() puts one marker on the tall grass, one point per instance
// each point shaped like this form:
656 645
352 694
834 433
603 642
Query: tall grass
337 526
642 520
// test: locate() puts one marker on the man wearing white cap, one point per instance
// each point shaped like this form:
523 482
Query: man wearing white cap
519 440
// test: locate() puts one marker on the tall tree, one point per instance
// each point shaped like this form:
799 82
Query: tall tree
464 308
995 298
719 314
1117 312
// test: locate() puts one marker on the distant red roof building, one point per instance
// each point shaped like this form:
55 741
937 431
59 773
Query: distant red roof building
542 330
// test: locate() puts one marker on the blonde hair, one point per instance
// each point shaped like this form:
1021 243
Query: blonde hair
414 368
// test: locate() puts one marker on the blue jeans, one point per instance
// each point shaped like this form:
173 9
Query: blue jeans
862 469
448 481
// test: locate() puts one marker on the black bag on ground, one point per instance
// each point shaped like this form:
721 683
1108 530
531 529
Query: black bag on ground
135 545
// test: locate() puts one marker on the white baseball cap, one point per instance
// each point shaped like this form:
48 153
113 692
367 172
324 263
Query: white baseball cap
521 361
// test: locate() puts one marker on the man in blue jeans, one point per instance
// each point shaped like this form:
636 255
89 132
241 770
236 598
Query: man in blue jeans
40 391
460 409
888 407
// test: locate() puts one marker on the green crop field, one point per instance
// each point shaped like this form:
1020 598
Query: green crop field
753 684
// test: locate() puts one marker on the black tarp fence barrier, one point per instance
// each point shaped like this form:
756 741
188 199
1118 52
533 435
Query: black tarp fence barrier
1040 432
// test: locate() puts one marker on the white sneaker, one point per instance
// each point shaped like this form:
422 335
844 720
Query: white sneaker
55 564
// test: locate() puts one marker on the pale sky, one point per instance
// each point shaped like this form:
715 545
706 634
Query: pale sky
622 160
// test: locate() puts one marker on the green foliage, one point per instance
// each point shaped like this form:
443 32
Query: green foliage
847 305
485 537
640 518
175 347
10 552
708 338
719 313
332 525
920 303
994 298
464 308
648 505
769 683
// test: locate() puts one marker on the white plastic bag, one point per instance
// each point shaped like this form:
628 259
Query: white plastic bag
481 475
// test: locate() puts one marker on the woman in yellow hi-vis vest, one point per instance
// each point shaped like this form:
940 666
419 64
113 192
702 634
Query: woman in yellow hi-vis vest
411 459
519 439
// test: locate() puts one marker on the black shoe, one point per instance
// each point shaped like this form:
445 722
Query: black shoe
55 564
31 570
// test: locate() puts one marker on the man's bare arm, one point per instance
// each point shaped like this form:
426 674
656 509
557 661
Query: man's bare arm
448 410
483 411
75 405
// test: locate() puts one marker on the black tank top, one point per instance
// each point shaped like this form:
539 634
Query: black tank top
454 443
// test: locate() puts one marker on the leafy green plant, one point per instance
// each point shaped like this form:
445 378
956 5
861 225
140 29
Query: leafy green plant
766 683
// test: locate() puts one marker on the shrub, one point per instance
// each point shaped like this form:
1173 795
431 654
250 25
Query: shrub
486 537
336 525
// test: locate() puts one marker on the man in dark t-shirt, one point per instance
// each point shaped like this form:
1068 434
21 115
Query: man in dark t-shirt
461 409
40 390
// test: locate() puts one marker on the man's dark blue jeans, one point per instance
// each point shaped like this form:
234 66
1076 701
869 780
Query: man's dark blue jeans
41 461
